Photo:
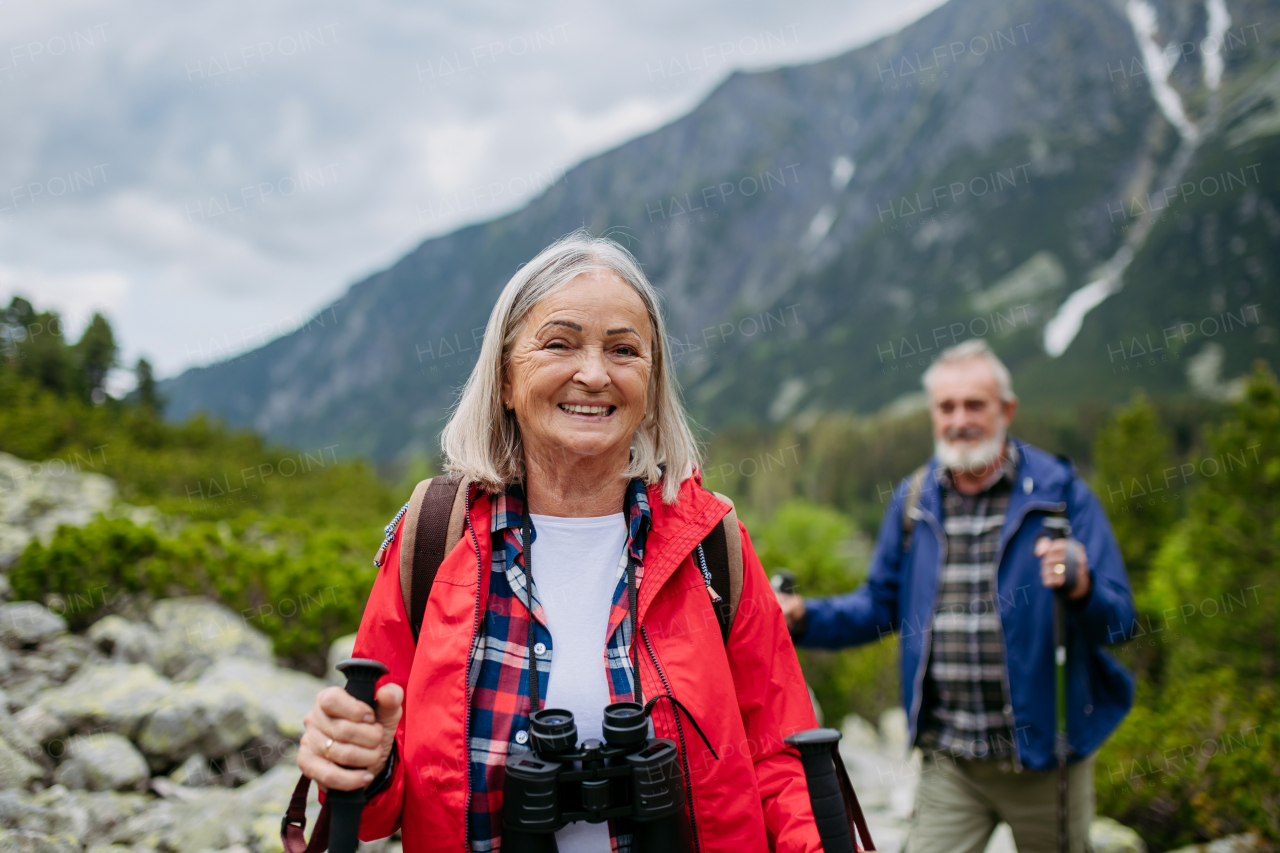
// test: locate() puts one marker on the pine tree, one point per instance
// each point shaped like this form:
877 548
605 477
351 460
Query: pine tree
148 396
95 356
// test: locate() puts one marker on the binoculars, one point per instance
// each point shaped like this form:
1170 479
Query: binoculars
627 776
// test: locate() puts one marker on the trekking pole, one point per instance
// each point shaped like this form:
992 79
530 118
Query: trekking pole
345 807
1060 528
816 747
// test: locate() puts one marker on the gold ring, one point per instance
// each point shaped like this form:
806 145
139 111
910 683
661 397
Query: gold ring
328 744
1059 569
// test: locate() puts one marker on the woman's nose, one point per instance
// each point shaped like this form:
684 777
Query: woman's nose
593 370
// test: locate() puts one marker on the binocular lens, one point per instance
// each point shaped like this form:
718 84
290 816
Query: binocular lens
625 724
553 731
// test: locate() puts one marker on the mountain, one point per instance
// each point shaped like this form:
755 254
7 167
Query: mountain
996 169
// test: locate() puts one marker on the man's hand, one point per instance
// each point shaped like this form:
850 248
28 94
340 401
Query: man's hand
344 747
1053 558
792 608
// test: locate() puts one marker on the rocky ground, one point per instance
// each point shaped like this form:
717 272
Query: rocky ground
174 730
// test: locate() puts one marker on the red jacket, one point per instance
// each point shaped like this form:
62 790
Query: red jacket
753 798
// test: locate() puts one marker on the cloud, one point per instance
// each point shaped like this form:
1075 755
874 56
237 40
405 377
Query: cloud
250 161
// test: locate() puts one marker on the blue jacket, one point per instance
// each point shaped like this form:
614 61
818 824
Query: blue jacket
901 590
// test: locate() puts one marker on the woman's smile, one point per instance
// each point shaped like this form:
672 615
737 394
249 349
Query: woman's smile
588 411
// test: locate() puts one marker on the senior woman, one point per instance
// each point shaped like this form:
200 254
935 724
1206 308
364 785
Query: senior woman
571 419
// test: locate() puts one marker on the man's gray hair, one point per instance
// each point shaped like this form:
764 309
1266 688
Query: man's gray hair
482 440
968 351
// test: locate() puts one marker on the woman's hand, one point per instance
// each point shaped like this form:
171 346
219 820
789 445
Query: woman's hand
343 746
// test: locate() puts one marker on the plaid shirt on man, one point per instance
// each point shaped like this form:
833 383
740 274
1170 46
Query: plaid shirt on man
499 666
963 709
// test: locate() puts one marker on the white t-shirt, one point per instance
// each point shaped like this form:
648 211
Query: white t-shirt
575 571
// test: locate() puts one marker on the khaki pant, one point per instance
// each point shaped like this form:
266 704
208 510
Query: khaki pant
959 802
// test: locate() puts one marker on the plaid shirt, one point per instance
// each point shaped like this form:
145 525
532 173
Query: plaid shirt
499 668
964 693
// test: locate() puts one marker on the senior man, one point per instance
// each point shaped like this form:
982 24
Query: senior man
965 572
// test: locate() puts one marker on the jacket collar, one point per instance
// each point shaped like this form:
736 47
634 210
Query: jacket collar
674 530
1041 478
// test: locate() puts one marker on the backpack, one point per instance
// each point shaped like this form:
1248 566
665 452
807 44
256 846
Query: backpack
435 517
915 486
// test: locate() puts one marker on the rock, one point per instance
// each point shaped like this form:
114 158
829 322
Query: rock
215 719
339 650
18 738
284 695
105 762
22 841
893 730
196 632
24 624
857 734
125 641
37 497
54 813
192 773
108 697
272 793
16 769
40 725
6 588
1112 836
54 662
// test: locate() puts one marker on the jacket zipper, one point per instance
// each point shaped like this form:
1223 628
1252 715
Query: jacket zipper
466 725
995 587
684 752
918 699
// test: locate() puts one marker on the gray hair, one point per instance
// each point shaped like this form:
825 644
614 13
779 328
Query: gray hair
976 348
482 440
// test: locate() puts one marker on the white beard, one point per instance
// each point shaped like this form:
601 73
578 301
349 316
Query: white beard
976 459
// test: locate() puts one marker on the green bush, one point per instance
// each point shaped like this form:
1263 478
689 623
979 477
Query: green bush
1194 761
300 585
822 547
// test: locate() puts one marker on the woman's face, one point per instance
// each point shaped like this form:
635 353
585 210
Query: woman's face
578 373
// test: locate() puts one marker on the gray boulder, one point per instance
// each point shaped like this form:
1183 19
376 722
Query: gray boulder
126 642
195 772
339 650
283 695
1111 836
16 769
105 762
210 718
39 724
24 624
22 841
108 697
35 498
195 632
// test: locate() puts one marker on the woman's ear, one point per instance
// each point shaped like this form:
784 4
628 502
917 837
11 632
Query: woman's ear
505 389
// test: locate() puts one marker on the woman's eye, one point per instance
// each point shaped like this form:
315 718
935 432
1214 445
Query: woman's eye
624 350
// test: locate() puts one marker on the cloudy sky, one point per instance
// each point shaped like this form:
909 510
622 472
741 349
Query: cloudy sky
209 178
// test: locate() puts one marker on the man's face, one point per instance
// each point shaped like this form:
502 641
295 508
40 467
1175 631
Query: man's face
969 418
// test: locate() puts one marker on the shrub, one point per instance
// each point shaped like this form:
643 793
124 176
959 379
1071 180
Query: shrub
820 545
1194 761
302 586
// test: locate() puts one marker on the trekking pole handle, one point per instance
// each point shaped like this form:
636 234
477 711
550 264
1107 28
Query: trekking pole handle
346 807
816 754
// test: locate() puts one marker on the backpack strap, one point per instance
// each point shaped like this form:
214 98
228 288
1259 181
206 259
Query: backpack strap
433 524
722 550
915 486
